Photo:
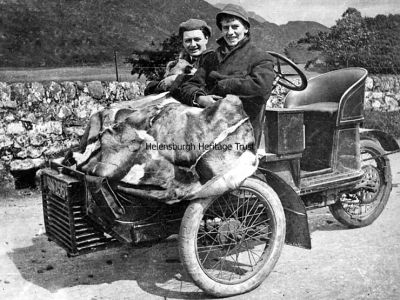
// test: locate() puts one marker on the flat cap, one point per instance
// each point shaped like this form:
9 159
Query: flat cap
194 24
233 10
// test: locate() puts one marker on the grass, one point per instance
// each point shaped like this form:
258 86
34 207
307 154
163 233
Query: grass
89 73
92 73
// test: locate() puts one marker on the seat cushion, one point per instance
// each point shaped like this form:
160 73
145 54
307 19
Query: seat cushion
326 107
320 110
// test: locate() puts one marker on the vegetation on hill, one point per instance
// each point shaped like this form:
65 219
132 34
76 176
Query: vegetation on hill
356 41
54 33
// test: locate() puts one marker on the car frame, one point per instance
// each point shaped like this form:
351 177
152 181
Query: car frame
313 153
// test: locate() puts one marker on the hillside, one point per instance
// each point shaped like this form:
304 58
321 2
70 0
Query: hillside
46 33
252 14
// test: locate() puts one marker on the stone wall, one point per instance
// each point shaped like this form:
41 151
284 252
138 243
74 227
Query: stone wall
382 92
39 121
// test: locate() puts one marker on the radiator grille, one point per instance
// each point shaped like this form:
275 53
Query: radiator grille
64 215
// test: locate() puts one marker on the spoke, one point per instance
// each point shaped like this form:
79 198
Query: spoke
278 63
288 81
230 205
290 74
248 254
209 236
214 230
227 253
221 261
207 253
245 219
216 215
236 262
252 252
208 248
261 222
213 246
258 215
218 261
245 228
239 207
255 233
222 210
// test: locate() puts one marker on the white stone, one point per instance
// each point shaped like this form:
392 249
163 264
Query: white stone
377 95
392 103
369 83
36 139
15 128
10 118
17 165
5 141
48 127
77 131
5 92
376 104
64 112
38 162
33 152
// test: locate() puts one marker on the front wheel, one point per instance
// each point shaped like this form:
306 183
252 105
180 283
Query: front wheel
230 244
363 206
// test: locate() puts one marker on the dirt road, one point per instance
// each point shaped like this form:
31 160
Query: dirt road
343 264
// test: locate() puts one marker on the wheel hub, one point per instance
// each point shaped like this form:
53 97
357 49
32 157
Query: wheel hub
371 183
229 231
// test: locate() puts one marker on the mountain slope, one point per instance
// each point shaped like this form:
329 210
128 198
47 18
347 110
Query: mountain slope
69 32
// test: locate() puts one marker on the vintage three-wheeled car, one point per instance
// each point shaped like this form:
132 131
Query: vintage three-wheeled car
314 153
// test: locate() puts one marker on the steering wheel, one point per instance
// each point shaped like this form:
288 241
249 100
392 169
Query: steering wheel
282 77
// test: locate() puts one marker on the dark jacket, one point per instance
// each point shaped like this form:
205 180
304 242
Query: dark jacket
154 87
245 71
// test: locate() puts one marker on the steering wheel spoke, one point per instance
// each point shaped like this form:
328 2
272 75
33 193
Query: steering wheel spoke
281 76
288 83
291 75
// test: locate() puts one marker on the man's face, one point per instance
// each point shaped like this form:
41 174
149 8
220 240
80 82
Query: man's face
233 31
194 42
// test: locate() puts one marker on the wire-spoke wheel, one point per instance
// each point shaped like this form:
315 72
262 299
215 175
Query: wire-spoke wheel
229 244
363 206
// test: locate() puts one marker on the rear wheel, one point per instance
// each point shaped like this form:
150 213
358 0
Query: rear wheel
363 206
230 244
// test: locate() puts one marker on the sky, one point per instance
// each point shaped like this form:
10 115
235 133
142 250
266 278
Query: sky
325 12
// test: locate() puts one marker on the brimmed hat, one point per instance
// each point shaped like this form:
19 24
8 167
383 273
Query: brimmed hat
233 10
194 24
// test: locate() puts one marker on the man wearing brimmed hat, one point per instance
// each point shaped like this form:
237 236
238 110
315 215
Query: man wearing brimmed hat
238 67
194 34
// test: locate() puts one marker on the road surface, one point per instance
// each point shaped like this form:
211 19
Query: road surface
343 264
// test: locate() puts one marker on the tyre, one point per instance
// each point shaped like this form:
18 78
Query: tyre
229 244
363 206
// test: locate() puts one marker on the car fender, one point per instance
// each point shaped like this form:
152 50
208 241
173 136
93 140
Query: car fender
388 143
297 231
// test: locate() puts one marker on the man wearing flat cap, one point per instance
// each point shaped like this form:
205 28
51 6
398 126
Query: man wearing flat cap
194 34
238 67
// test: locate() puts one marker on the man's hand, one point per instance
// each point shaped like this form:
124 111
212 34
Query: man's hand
206 101
166 83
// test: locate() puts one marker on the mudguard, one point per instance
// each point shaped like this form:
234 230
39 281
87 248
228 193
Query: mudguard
297 231
387 142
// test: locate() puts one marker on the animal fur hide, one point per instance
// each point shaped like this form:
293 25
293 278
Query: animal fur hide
158 148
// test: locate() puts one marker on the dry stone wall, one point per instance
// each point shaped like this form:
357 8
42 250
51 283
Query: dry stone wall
39 121
382 93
